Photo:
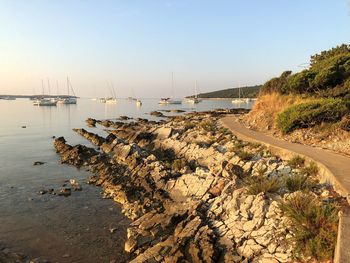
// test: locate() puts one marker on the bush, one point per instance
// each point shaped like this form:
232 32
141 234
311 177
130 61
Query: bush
208 126
310 170
178 164
244 155
298 182
296 162
311 113
314 226
256 185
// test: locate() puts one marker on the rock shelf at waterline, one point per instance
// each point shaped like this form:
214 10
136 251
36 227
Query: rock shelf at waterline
188 186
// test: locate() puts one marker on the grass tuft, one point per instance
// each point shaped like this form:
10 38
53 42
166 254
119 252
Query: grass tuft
313 224
310 170
256 185
298 182
296 162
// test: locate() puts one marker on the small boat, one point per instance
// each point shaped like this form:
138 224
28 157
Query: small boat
239 99
46 102
195 99
69 100
167 101
138 102
103 100
110 100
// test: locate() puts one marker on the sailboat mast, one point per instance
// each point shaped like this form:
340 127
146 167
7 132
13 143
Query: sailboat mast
172 83
42 86
57 87
195 89
67 86
48 85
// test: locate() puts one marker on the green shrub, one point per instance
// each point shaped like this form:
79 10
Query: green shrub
311 113
296 162
208 126
244 155
256 185
189 125
178 164
310 170
298 182
314 226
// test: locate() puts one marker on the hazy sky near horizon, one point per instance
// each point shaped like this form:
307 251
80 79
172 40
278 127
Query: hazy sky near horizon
136 44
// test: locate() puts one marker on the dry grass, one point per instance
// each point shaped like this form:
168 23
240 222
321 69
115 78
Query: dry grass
267 107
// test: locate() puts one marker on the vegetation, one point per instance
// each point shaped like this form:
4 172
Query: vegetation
313 225
298 182
256 185
208 126
178 164
244 155
328 75
249 92
310 170
296 162
309 114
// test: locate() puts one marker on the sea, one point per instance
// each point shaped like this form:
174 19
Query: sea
83 227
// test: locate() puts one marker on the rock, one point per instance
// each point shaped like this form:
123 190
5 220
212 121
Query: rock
64 191
130 245
157 114
91 122
38 163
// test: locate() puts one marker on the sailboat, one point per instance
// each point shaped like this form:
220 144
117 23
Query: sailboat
167 101
195 99
69 100
44 101
138 102
112 99
239 99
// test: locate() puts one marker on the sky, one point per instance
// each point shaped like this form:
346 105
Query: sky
137 44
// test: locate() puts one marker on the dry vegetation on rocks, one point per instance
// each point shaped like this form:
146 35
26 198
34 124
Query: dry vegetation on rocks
196 193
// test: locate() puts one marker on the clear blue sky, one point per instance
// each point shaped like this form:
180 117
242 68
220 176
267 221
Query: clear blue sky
138 43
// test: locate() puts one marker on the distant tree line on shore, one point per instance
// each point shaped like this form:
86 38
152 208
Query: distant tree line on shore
246 92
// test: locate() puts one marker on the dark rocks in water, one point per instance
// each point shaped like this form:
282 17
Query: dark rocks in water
65 191
125 118
91 122
156 113
42 192
23 127
177 111
38 163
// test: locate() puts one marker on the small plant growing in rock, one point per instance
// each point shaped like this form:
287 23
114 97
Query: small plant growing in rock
189 125
313 224
208 126
296 162
310 170
244 155
256 185
260 171
178 164
298 182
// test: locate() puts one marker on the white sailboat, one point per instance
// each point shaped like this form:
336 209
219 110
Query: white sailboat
167 101
195 99
113 99
138 102
239 99
44 101
69 100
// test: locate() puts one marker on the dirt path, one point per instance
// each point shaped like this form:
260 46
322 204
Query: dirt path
338 165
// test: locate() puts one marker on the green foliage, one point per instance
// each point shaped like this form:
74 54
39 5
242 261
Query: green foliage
244 155
296 162
309 114
298 182
256 185
313 224
249 92
328 75
208 126
189 125
310 170
178 164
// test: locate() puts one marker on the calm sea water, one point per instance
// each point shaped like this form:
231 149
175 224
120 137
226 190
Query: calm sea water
72 229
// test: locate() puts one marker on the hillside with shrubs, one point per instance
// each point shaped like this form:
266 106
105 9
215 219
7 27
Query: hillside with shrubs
311 106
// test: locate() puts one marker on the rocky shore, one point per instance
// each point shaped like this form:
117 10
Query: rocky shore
188 186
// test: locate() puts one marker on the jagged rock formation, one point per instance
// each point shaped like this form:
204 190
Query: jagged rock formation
181 182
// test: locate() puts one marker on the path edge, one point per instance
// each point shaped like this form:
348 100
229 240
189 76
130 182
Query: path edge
342 248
